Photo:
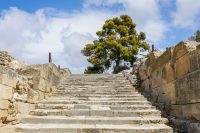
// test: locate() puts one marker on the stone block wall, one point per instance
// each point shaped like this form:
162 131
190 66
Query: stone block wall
171 80
22 85
8 81
44 78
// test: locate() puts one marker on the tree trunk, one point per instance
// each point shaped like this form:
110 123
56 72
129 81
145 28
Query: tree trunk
117 66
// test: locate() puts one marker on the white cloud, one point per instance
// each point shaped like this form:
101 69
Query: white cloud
187 13
75 60
146 14
30 36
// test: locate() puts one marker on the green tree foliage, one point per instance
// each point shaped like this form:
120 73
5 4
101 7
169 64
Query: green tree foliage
198 36
117 45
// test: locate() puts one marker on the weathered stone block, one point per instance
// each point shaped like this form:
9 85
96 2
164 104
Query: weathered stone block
156 78
152 57
42 85
4 104
187 111
176 110
41 95
194 61
170 91
168 73
146 85
187 88
182 48
194 128
154 95
154 66
191 111
7 129
3 113
162 98
165 57
25 108
182 66
144 72
179 83
5 79
6 92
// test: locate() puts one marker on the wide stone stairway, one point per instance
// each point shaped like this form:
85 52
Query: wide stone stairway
94 104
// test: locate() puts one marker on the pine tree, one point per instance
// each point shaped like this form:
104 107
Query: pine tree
117 46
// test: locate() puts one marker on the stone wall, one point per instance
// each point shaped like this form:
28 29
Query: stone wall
22 85
45 77
8 81
171 80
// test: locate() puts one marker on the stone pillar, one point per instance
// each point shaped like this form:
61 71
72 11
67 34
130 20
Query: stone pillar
153 48
50 59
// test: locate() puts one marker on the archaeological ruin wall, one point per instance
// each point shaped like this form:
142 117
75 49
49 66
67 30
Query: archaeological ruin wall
22 85
171 80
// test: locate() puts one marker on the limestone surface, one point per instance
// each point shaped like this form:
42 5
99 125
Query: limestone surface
94 104
22 85
171 82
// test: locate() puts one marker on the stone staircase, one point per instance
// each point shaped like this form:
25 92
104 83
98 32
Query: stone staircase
94 104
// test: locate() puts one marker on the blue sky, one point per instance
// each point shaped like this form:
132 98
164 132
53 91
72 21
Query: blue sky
29 29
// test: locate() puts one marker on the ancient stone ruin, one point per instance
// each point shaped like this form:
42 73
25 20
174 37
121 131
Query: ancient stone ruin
22 86
170 80
161 95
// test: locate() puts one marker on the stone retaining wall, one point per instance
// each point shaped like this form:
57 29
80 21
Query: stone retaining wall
8 81
24 85
45 77
171 80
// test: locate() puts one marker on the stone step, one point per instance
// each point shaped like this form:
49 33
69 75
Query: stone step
78 81
92 128
82 100
95 89
98 90
136 96
85 106
94 104
99 86
117 83
93 76
100 93
97 99
97 95
94 79
132 107
92 120
73 87
96 83
97 80
100 76
142 102
97 112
